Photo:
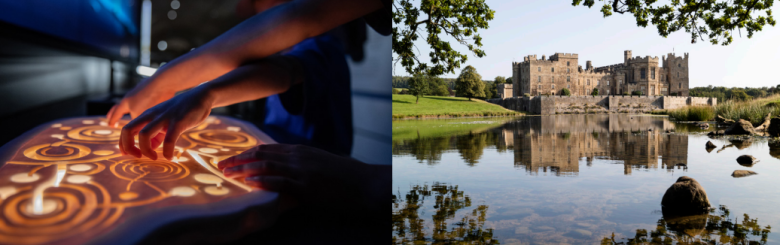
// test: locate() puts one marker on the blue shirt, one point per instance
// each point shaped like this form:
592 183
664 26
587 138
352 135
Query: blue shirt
317 112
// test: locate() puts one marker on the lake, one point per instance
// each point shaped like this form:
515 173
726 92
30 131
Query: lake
576 179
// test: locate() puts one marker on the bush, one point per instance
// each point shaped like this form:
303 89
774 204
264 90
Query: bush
693 113
595 92
565 92
527 95
636 93
673 94
395 91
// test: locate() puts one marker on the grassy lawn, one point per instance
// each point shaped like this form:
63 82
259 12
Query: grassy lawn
413 129
439 106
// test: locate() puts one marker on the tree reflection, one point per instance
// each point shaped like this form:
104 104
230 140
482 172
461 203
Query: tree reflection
471 146
713 228
430 149
409 227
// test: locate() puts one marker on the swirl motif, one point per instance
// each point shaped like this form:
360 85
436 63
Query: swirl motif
149 170
95 134
54 152
223 138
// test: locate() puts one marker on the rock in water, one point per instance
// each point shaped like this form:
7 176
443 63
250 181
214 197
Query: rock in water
741 127
746 160
710 145
742 173
774 127
685 197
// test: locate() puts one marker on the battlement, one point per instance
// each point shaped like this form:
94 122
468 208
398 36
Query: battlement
594 72
557 56
609 68
646 59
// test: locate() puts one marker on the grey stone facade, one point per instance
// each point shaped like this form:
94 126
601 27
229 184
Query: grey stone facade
550 76
504 90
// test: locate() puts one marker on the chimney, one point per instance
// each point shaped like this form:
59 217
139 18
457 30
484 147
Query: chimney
626 56
544 57
588 65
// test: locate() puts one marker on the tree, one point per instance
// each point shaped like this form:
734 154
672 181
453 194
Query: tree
722 18
490 89
637 92
437 86
499 80
460 20
595 92
469 83
395 91
509 80
418 86
565 92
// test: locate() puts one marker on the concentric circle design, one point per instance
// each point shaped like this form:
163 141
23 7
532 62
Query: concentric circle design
63 152
149 170
223 138
67 210
95 134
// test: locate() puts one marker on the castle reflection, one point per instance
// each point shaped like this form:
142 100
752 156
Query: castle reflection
558 144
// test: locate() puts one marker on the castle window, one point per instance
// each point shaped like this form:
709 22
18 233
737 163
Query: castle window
678 74
552 69
540 78
588 82
553 79
567 63
540 68
553 86
568 85
539 87
607 82
678 65
568 70
642 74
679 85
643 88
652 73
568 79
620 82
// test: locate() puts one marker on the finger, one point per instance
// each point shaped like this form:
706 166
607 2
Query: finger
276 152
276 183
175 129
127 137
145 137
261 168
116 113
158 140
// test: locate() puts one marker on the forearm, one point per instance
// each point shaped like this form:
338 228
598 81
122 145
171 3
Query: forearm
253 81
258 37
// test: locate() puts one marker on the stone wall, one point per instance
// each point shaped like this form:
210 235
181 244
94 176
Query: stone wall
547 105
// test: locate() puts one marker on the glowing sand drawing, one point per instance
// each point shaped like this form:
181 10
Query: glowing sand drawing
68 183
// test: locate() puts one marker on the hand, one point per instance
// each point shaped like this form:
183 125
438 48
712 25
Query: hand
311 176
164 123
142 97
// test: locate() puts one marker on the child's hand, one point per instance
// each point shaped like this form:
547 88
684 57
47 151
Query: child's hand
309 175
164 123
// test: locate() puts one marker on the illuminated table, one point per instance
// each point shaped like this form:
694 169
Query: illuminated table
67 182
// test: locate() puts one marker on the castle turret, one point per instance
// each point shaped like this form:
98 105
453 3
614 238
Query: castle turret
626 56
544 57
588 65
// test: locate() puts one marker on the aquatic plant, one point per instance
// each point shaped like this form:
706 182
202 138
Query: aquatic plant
692 113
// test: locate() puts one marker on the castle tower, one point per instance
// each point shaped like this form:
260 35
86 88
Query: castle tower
626 56
588 65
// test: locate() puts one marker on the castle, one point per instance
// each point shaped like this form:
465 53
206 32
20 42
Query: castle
550 76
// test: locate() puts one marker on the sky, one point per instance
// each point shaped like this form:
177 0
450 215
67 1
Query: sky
522 28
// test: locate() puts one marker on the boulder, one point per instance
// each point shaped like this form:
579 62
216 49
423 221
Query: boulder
685 197
722 120
774 127
764 125
774 149
716 133
710 145
740 127
742 173
746 160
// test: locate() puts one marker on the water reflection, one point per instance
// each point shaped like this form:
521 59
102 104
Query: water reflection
716 227
556 144
409 226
